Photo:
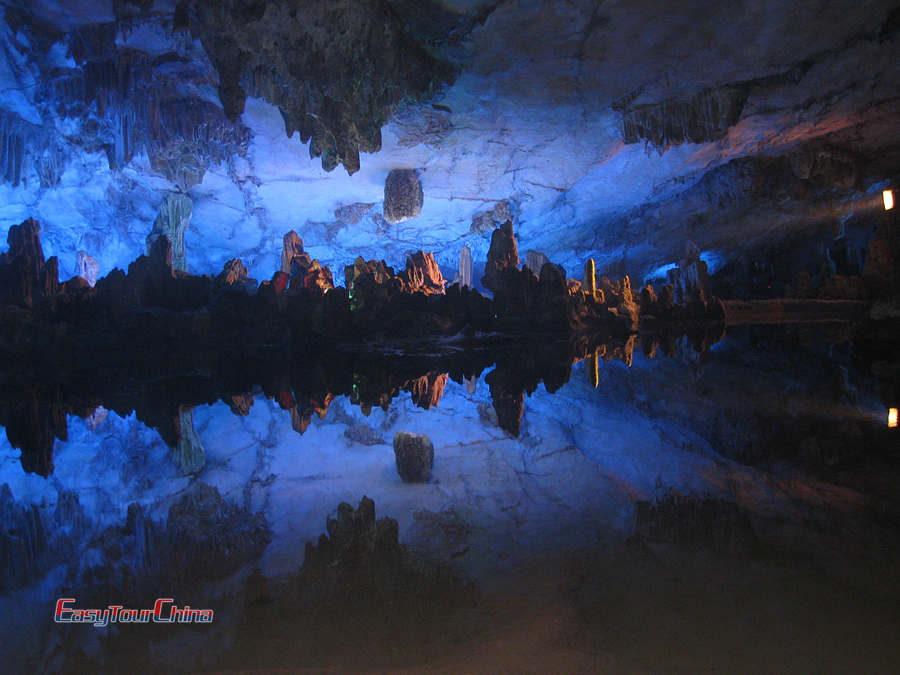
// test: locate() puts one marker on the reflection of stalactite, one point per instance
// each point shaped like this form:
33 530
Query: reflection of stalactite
23 541
471 384
428 390
189 453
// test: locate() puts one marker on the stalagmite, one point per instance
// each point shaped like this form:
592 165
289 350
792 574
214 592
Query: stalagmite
291 247
465 267
590 277
173 219
535 261
87 268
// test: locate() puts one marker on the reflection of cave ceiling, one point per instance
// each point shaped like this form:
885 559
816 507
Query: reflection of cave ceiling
613 129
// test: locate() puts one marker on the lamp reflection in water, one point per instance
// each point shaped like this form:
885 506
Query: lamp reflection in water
888 197
892 418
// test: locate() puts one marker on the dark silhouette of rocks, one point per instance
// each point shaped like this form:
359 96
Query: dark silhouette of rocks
140 341
502 256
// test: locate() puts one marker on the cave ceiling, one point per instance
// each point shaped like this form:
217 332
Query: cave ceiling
618 130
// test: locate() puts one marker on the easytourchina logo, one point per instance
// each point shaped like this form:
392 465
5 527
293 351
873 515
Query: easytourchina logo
164 611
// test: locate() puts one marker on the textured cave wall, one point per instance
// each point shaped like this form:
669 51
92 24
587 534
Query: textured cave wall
333 68
620 132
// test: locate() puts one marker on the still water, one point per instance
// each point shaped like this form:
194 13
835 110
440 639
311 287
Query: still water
732 508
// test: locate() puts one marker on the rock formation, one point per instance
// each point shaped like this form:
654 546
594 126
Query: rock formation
690 280
428 390
25 278
503 255
172 220
422 275
535 261
414 454
87 268
464 275
291 56
189 453
291 248
402 196
299 269
487 221
704 116
363 434
23 542
235 275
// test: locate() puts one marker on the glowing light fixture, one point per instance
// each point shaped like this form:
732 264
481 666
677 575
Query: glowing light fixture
888 196
892 418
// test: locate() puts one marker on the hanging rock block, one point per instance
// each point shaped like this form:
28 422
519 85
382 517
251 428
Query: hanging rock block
402 196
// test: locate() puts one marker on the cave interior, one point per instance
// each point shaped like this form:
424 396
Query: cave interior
595 304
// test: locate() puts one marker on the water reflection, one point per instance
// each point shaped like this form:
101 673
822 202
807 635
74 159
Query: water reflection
162 392
763 455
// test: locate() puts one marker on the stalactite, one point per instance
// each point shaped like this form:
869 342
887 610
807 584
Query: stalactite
705 116
13 134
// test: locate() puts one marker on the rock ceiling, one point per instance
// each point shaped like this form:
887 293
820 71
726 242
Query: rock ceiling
616 129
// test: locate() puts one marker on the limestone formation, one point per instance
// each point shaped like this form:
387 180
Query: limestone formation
23 541
690 279
402 196
87 268
292 247
704 116
172 220
414 454
25 278
189 453
428 390
336 86
299 269
363 434
422 274
590 278
535 261
235 275
503 255
486 221
464 276
351 214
